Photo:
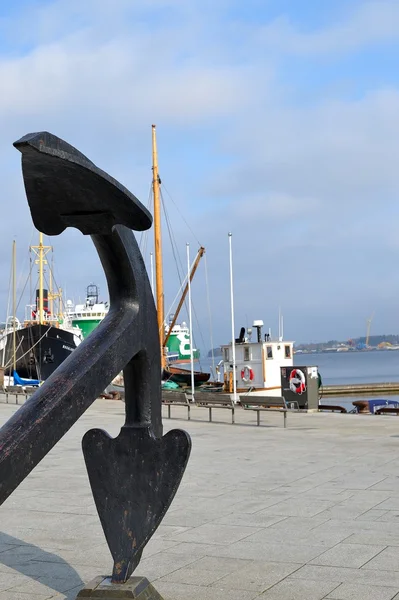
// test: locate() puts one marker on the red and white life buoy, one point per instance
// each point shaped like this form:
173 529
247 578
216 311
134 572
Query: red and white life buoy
247 374
297 381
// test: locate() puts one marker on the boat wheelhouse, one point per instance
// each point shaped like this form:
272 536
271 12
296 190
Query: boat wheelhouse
257 362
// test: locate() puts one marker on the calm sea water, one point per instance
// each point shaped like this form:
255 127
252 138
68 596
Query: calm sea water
346 367
353 367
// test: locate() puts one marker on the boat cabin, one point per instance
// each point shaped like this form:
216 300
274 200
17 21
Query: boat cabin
257 362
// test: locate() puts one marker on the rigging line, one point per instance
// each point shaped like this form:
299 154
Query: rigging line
173 242
12 358
181 287
9 295
22 293
27 256
178 210
30 280
209 313
144 234
31 348
200 332
177 295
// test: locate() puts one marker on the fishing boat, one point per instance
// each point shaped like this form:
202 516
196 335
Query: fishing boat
35 347
253 367
168 332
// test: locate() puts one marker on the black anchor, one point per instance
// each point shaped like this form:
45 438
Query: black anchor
135 476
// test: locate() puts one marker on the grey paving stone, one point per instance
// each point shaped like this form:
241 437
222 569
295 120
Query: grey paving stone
353 591
169 531
258 520
373 514
374 537
299 507
215 534
277 552
387 559
181 591
9 580
298 524
44 586
360 481
188 518
194 549
257 575
345 511
389 484
162 564
341 574
389 516
155 546
348 555
206 571
9 595
299 590
313 537
347 470
390 504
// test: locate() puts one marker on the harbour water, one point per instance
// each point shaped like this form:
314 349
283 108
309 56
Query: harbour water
353 367
348 368
345 367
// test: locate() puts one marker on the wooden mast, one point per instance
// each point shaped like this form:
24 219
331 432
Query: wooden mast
158 246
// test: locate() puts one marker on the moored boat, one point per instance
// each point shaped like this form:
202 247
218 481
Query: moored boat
36 347
257 363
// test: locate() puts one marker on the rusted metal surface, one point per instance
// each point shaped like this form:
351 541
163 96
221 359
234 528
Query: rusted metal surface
135 476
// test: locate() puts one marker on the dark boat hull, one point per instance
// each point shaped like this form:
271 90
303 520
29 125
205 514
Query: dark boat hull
183 376
40 351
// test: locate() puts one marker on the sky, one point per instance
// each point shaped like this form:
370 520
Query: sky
277 121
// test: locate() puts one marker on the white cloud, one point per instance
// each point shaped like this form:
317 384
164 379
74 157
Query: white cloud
304 188
375 22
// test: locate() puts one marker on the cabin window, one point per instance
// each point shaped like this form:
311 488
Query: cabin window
269 351
246 354
287 351
226 354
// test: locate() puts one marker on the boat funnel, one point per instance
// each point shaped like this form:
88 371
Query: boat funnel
258 326
241 337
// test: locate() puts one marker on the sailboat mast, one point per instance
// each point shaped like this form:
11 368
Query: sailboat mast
158 244
14 304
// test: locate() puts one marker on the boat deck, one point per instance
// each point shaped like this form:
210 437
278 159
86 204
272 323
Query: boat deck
311 511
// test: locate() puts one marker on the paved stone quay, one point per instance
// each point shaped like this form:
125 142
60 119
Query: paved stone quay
303 513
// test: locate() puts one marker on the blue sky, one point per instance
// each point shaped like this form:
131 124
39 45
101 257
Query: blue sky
277 120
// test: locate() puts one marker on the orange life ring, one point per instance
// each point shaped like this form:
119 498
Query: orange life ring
247 374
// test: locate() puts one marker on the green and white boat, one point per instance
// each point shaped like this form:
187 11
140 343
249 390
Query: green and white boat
88 315
178 344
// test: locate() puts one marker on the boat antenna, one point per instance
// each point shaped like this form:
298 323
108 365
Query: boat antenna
158 244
